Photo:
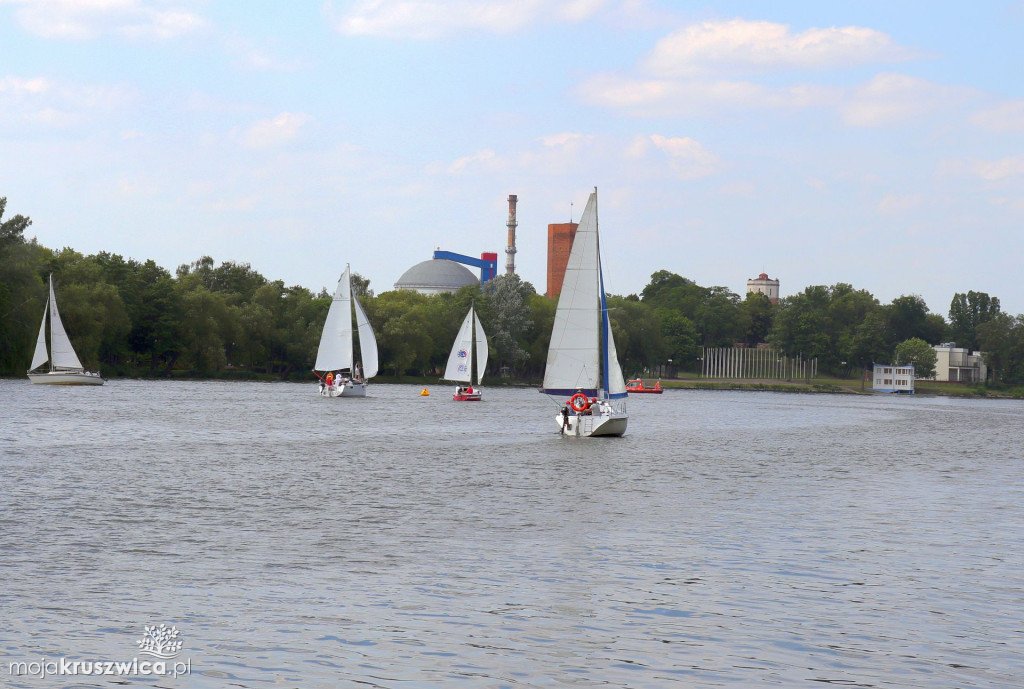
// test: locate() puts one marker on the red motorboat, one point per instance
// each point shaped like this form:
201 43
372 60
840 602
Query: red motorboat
637 385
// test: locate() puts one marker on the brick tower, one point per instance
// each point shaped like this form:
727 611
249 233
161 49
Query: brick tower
560 236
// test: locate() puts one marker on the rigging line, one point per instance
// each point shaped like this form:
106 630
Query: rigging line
18 307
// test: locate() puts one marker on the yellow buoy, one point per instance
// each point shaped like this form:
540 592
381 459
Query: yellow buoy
425 393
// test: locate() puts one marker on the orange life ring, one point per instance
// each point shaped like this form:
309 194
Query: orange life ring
579 402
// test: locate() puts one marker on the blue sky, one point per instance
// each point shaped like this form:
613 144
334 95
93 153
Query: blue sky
875 143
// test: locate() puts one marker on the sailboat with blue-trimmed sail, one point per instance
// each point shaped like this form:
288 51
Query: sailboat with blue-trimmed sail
582 361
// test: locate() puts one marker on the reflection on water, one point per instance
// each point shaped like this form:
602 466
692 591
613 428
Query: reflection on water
729 539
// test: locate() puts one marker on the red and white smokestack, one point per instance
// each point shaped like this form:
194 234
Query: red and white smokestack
510 250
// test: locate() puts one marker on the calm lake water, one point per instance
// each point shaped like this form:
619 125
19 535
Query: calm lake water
730 539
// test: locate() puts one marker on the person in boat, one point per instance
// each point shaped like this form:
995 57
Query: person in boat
458 389
565 418
355 373
330 379
469 390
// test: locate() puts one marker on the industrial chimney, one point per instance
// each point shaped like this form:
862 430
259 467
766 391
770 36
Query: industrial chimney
510 250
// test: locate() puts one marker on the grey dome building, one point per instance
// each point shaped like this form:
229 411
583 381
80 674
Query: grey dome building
436 276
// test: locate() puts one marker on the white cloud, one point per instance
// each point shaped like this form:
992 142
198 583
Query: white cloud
884 99
275 131
1007 117
893 98
486 158
86 19
897 203
427 19
567 140
247 55
17 87
706 68
743 46
993 170
653 97
988 170
688 158
56 104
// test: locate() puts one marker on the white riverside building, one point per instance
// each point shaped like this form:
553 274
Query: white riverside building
889 378
958 365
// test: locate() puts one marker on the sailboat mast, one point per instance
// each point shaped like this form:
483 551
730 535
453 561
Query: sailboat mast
49 312
605 324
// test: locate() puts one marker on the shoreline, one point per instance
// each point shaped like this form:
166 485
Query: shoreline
821 385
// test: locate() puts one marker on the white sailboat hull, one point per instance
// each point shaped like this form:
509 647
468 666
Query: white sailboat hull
610 423
66 378
348 388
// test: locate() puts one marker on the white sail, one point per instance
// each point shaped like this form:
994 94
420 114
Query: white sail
41 356
367 342
335 351
574 353
582 360
616 383
61 351
460 360
481 349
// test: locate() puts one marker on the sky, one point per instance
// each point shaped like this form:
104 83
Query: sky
879 144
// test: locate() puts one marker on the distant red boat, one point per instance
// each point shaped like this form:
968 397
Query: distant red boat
638 386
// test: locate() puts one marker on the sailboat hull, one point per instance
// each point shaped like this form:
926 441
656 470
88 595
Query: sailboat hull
66 378
610 424
346 389
475 396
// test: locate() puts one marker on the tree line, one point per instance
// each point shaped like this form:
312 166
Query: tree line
134 318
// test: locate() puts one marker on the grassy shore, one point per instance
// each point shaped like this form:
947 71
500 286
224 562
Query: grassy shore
840 385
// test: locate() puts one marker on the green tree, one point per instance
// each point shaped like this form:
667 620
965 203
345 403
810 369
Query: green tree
920 354
1001 339
22 292
909 318
966 313
758 314
538 334
509 309
636 328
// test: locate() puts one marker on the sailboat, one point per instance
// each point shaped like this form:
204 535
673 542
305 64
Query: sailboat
65 368
582 362
335 356
461 359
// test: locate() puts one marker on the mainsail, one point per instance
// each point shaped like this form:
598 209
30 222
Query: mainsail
460 359
581 357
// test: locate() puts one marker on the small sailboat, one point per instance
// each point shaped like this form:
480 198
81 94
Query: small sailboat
335 356
461 360
65 368
582 362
